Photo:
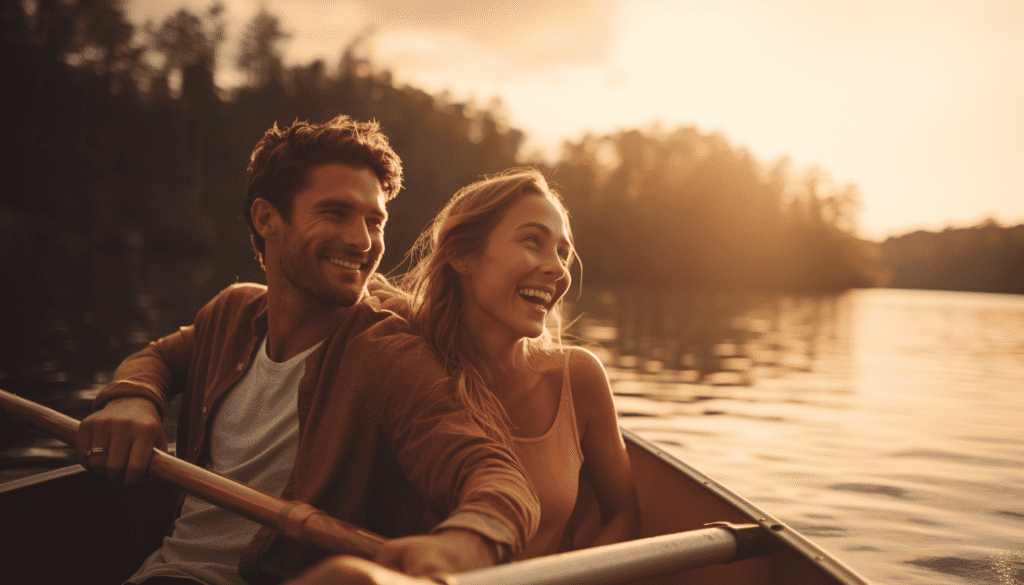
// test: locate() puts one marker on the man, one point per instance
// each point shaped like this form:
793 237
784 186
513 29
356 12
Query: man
305 388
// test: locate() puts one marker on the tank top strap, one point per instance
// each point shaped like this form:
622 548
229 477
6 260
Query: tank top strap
566 404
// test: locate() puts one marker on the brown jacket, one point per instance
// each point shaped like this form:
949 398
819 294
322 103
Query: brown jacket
383 442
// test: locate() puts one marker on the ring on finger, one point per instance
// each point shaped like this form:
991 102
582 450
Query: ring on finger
96 451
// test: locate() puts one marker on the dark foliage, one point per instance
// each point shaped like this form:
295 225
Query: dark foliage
983 258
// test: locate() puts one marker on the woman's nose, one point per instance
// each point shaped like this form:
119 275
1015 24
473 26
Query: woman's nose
555 266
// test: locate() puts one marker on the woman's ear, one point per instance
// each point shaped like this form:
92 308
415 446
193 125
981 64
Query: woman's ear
264 217
461 265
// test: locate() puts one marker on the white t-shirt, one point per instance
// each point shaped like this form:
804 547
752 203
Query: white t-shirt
254 439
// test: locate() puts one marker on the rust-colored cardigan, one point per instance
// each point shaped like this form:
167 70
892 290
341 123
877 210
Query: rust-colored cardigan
383 442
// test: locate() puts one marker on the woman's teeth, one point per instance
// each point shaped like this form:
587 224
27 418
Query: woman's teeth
535 296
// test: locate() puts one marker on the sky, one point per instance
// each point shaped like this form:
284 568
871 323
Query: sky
919 103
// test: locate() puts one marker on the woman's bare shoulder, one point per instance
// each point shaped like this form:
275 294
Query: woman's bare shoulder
552 360
591 390
586 367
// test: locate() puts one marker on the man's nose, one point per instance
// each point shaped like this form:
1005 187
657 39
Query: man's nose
357 235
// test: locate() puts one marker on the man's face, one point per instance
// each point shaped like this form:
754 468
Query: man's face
334 239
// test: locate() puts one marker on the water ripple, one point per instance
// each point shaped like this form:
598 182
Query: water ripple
963 458
873 489
997 569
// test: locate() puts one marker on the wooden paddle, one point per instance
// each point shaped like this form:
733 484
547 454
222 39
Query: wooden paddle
613 564
634 560
295 519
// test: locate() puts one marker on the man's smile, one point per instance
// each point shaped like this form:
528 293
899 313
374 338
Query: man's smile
346 263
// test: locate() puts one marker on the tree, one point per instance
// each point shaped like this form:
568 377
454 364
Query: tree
185 40
259 56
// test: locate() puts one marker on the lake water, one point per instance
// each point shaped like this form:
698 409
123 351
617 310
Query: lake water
885 425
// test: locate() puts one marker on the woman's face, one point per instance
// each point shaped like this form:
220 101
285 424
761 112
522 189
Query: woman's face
513 283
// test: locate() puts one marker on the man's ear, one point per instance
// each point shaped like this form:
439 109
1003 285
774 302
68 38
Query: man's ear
265 217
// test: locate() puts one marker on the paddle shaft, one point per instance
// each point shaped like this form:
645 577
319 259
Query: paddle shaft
295 519
623 562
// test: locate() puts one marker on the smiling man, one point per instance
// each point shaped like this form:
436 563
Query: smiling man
307 389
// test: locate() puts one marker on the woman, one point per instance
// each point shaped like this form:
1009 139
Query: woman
485 290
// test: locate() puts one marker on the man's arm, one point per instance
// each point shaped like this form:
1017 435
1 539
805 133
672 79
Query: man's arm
127 421
492 507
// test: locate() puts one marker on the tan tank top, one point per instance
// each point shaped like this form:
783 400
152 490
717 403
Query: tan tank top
552 462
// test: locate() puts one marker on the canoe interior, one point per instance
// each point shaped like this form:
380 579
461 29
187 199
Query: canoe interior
73 526
675 497
68 525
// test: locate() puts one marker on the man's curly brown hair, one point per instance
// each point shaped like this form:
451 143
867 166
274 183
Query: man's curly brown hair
280 162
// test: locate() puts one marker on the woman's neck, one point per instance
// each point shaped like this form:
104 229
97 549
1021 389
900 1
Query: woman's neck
505 361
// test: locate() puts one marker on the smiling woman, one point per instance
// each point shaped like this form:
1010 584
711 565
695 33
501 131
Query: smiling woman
511 284
486 289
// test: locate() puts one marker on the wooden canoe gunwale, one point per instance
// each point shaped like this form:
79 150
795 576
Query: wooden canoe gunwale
41 477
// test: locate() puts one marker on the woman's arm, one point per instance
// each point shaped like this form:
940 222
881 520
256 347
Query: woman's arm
604 450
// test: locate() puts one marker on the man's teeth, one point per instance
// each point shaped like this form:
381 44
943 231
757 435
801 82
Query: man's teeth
539 294
345 263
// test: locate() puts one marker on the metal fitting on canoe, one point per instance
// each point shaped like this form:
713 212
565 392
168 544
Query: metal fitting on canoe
752 540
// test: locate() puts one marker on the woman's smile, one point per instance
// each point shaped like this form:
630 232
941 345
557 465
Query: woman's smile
536 296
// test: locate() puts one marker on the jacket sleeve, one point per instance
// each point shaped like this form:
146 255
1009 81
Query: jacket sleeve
156 372
445 454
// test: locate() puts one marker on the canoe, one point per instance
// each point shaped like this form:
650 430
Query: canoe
675 497
62 524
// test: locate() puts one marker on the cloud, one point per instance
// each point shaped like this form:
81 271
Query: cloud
492 39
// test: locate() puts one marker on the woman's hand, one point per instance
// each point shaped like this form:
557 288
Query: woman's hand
448 551
354 571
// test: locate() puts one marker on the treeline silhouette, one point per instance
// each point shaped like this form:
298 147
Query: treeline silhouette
126 166
685 209
983 258
127 140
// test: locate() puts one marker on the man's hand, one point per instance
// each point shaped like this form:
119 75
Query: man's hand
450 551
354 571
124 432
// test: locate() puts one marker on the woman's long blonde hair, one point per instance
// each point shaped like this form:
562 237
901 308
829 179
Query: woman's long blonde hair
461 230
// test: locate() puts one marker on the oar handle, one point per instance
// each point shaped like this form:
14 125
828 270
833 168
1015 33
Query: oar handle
45 419
298 520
